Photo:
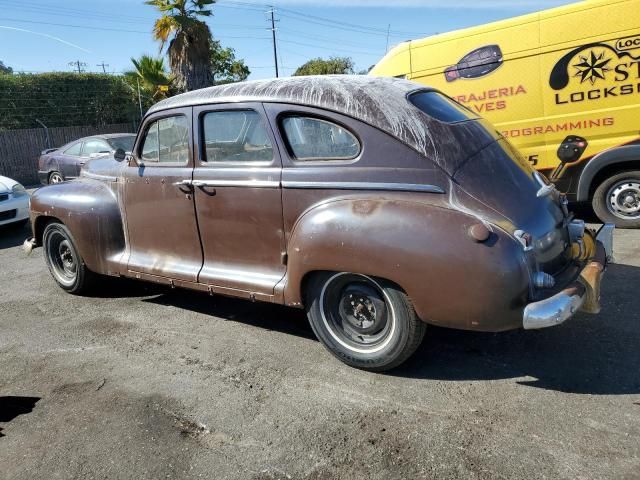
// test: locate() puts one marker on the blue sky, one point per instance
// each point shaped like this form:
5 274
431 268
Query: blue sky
112 31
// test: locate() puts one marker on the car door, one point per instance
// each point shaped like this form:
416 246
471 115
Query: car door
161 223
238 198
68 160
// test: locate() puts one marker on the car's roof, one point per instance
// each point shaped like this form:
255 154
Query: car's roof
380 102
109 135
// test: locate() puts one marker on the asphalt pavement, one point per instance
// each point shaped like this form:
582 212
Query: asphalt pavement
140 381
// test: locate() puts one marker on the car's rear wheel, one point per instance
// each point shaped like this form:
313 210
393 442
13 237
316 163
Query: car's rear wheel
365 322
55 177
617 200
64 261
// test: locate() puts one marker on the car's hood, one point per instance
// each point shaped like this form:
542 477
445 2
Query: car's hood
6 184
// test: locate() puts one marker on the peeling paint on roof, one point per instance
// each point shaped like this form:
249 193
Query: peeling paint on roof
380 102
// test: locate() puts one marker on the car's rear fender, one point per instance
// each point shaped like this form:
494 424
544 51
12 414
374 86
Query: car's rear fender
452 279
89 208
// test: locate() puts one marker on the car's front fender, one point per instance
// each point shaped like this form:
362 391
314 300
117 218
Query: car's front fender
452 279
90 209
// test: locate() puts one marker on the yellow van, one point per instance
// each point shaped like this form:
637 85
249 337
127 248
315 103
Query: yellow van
562 84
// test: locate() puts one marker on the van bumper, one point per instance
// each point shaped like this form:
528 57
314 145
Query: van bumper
582 295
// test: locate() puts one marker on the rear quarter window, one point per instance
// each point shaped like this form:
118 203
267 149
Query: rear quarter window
312 139
441 107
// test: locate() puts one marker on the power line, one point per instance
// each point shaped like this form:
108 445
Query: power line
333 49
116 29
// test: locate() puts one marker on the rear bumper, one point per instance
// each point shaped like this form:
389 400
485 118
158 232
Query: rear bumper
582 295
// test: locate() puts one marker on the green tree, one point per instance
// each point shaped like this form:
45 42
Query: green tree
4 68
189 41
152 76
224 66
321 66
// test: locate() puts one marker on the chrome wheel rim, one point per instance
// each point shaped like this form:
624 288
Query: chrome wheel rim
357 313
61 258
623 199
55 178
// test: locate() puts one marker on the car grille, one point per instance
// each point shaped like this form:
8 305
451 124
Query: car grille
4 196
8 215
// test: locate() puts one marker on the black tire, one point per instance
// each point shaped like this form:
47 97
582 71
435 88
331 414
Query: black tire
365 322
55 177
64 261
617 200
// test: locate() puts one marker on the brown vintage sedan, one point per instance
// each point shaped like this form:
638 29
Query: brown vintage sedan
378 205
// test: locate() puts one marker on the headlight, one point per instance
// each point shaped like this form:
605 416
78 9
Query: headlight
19 191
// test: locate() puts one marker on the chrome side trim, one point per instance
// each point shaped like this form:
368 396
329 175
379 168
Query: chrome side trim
605 236
95 176
236 183
397 187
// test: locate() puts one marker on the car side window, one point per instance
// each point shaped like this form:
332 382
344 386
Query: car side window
311 138
235 136
167 141
95 146
74 149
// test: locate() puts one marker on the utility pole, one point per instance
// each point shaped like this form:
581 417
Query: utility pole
78 64
273 33
103 65
139 99
388 31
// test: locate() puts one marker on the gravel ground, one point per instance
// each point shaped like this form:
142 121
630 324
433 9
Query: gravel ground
145 382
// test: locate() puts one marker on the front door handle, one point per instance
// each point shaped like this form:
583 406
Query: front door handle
185 186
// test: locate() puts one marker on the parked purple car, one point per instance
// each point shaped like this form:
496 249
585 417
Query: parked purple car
56 165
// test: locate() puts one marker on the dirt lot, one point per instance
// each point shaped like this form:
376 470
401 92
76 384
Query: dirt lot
145 382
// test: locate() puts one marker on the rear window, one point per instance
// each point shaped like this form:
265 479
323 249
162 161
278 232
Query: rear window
441 107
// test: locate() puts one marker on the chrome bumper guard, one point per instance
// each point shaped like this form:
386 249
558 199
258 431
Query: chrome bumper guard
582 295
28 245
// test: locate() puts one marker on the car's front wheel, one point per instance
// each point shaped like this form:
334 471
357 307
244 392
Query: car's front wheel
617 200
365 322
64 261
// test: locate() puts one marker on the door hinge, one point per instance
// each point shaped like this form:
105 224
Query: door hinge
284 257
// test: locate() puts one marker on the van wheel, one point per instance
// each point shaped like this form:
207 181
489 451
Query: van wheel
64 261
365 322
617 200
55 177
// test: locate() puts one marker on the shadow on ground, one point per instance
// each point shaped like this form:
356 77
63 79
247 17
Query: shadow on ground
590 354
13 235
11 407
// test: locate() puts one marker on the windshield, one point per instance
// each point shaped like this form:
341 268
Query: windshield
125 143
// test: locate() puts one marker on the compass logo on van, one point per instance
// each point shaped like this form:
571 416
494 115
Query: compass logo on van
592 67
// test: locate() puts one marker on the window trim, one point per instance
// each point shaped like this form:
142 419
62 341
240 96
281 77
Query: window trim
154 119
202 156
316 160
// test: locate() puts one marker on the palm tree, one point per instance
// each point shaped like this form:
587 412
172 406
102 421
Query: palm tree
189 39
152 76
